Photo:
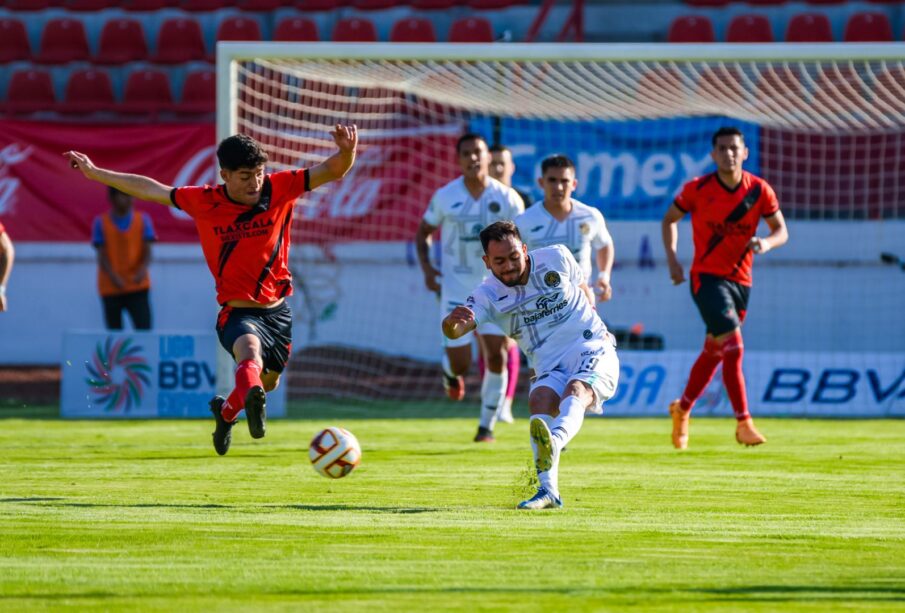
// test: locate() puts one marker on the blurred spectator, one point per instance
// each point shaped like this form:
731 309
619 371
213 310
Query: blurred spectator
7 255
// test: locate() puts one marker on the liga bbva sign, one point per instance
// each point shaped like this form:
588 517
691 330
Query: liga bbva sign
140 375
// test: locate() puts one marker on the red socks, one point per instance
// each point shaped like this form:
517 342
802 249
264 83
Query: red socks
248 375
733 378
702 372
513 364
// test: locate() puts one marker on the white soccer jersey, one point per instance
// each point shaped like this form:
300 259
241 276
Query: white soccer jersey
583 230
461 218
547 316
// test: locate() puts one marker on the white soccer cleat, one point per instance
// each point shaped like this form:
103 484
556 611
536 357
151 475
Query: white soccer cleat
541 500
504 413
546 446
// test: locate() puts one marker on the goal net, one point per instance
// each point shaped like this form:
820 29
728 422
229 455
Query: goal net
825 125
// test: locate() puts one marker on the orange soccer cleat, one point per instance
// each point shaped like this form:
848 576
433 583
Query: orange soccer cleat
454 386
680 419
746 434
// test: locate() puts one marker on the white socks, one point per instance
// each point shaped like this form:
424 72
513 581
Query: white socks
493 390
568 422
563 428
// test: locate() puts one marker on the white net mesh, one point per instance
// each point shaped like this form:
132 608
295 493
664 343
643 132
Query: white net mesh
829 135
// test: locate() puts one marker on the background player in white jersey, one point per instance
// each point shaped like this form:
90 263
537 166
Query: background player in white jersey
562 220
461 209
542 300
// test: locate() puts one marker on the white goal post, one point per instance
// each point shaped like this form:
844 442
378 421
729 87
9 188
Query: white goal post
825 124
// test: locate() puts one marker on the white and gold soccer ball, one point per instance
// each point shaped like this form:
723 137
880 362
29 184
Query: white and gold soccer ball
334 452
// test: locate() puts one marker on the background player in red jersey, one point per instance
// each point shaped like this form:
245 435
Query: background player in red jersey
725 208
244 227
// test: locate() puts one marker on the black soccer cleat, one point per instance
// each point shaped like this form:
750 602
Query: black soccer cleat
256 411
223 433
484 435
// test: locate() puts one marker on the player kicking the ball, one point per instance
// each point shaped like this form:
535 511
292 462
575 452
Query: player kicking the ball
725 208
542 301
244 226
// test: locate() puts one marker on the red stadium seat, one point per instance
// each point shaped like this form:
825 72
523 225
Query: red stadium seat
749 29
88 91
413 30
296 29
179 40
148 5
809 28
492 5
471 30
258 6
868 28
63 40
198 93
691 29
89 6
239 28
13 41
147 91
122 40
309 6
29 5
199 6
434 5
375 5
30 91
354 30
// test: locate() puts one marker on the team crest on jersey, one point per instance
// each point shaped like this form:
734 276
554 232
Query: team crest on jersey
551 279
584 228
494 207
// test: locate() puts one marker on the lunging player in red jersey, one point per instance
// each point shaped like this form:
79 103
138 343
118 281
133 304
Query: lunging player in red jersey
244 226
725 208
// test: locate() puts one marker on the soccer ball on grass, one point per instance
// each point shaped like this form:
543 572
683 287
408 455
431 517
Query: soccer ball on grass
334 452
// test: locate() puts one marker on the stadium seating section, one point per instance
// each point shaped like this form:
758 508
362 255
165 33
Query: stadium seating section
154 57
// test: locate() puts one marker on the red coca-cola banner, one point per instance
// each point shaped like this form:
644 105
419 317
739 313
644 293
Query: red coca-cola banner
43 199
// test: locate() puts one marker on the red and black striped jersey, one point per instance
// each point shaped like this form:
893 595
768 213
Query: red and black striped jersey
723 220
246 247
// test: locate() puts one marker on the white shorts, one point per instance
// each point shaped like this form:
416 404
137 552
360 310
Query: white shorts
594 362
454 294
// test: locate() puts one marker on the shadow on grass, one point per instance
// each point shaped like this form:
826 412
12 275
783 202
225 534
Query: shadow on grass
351 507
60 502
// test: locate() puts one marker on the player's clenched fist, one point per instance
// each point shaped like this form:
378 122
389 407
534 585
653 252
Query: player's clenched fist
459 322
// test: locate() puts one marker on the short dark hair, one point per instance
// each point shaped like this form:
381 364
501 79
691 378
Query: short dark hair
498 231
498 148
556 161
240 151
112 192
467 137
726 131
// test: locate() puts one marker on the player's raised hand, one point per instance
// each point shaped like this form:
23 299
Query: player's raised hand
345 137
603 287
82 162
676 272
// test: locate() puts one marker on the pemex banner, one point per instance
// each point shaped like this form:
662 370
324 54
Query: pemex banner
43 199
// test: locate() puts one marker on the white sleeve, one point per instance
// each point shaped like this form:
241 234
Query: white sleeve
602 237
434 214
571 266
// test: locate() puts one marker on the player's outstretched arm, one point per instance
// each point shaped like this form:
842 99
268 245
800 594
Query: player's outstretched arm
605 257
671 241
337 165
779 235
138 186
459 322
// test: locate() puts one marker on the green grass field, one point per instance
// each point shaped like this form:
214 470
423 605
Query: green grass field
144 515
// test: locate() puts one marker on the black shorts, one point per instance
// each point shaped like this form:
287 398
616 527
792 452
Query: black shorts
721 302
272 326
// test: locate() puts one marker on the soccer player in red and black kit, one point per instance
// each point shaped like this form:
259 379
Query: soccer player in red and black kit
725 208
244 226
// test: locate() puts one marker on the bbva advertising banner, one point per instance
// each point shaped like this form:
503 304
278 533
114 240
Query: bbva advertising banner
122 375
807 384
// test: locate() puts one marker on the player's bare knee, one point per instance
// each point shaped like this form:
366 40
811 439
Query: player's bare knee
543 401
